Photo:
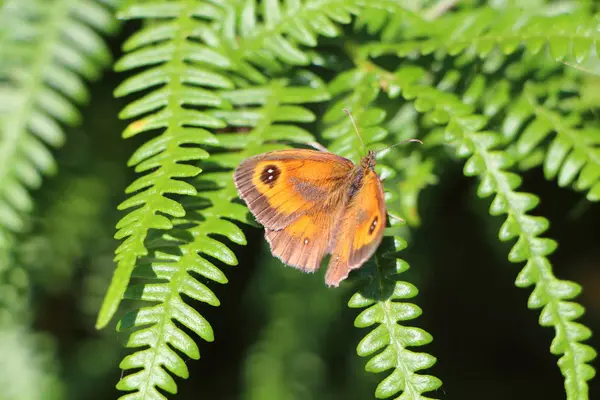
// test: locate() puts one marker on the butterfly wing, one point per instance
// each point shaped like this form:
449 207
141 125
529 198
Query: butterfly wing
360 231
304 242
281 186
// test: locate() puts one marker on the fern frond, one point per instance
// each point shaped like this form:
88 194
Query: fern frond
416 173
574 151
464 131
538 113
177 67
478 32
414 170
359 102
390 19
277 40
50 49
385 300
186 252
357 90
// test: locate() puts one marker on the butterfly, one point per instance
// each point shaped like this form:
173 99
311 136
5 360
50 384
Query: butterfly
313 203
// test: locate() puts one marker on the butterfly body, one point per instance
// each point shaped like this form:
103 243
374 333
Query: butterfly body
314 203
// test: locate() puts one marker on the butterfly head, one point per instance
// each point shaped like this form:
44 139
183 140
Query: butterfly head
369 161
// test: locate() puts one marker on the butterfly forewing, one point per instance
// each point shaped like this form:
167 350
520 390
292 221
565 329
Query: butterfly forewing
280 186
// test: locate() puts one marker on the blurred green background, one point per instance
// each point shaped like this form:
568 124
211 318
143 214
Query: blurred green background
281 334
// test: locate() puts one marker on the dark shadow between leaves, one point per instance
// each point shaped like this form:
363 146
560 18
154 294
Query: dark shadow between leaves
379 274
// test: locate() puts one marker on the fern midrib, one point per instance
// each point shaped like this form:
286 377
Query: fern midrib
148 384
545 276
497 39
180 39
9 145
269 108
390 323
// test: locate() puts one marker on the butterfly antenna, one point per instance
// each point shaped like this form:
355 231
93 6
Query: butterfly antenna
399 143
356 129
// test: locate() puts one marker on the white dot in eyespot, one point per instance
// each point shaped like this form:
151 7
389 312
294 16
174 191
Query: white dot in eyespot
305 241
270 170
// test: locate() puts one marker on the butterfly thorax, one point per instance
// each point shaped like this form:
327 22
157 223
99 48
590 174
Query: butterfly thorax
367 165
369 161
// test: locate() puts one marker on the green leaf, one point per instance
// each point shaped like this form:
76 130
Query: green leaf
47 52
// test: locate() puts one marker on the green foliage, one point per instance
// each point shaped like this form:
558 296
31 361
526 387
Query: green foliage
286 361
573 156
66 229
184 129
239 50
384 299
26 370
49 49
184 243
465 130
478 33
387 344
496 87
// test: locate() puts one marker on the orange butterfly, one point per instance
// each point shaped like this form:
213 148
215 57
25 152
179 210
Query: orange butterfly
314 203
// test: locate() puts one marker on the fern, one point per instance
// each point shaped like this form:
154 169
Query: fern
536 114
464 131
224 80
145 381
164 159
209 195
478 32
357 89
384 299
573 151
43 66
213 204
47 50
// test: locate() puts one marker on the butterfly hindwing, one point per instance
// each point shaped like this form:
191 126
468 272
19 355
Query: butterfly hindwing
360 231
304 242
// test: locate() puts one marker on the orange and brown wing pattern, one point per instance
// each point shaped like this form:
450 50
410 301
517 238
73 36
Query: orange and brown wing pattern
360 230
304 242
281 186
